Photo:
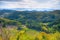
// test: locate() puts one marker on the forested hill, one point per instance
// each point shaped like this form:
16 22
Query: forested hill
39 16
32 19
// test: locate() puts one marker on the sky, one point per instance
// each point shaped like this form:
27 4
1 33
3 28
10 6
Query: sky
30 4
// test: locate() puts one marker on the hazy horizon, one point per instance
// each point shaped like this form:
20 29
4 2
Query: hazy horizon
30 4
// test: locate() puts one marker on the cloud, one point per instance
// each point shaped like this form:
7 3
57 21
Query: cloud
11 0
42 1
41 4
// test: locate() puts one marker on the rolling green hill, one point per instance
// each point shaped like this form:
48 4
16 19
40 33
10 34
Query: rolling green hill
33 19
29 25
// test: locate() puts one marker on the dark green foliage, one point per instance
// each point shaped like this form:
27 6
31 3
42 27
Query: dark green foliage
18 37
4 22
36 39
33 19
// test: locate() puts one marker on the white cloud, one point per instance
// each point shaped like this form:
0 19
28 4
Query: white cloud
31 4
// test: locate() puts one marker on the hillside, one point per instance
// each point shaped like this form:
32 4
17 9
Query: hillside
32 18
29 25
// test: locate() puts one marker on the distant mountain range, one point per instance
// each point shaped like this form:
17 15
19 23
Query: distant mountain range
30 15
28 9
32 18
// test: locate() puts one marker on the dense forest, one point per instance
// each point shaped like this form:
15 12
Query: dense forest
29 25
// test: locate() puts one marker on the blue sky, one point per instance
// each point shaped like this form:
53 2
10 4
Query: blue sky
30 4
